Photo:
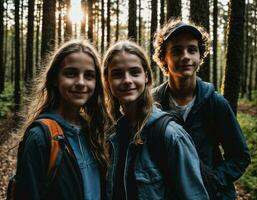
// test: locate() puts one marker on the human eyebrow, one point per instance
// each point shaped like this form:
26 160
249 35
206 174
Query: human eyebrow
69 67
175 49
193 48
136 69
116 72
70 71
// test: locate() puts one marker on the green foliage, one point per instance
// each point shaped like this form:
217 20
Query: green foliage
249 180
6 101
246 101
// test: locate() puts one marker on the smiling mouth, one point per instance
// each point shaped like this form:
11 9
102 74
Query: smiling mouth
79 93
186 65
127 90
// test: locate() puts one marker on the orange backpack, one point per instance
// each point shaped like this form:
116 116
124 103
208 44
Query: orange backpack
56 134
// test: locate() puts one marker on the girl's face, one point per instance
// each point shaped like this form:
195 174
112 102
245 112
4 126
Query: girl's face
126 78
76 80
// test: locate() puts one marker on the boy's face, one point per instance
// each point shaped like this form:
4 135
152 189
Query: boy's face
182 56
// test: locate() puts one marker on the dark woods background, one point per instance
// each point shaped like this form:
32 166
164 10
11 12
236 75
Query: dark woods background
30 30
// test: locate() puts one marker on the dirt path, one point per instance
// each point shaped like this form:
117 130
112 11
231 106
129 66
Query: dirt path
7 162
251 110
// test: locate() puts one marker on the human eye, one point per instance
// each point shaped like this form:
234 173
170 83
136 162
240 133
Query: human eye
70 72
116 73
90 75
135 71
176 51
193 50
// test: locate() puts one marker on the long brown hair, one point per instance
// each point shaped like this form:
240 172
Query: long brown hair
45 97
145 103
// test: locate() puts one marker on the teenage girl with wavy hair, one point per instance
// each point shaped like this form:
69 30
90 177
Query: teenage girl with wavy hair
69 90
134 171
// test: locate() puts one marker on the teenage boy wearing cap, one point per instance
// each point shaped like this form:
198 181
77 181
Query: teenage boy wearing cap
180 49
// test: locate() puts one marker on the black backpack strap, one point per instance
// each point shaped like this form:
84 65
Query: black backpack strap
156 142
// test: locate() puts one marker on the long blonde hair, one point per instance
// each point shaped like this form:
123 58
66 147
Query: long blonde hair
45 97
145 103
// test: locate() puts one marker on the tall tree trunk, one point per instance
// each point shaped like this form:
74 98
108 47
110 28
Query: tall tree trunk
117 20
103 26
108 23
225 25
83 22
235 50
162 14
215 39
153 29
22 39
174 8
199 13
90 20
48 28
17 57
250 77
59 30
132 20
6 49
139 37
68 23
30 43
12 58
1 46
162 20
38 20
255 44
96 21
244 75
253 38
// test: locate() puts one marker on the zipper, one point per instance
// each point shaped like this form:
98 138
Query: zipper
80 146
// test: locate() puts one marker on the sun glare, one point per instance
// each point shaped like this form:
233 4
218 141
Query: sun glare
76 13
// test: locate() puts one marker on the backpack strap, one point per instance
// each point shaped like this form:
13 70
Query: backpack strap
56 152
156 143
57 146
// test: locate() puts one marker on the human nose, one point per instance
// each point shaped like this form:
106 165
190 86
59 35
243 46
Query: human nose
127 78
81 80
185 55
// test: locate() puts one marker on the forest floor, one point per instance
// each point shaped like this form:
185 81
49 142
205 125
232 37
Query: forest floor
9 145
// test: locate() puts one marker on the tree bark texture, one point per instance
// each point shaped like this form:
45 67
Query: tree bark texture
234 54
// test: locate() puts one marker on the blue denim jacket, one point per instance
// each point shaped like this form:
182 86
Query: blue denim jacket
186 181
77 177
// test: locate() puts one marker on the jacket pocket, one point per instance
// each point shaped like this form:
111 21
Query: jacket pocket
150 184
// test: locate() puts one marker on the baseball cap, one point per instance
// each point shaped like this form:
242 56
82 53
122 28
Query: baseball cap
183 27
